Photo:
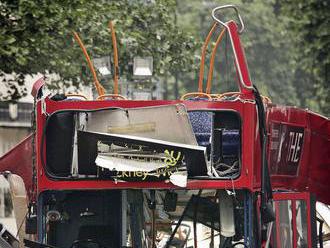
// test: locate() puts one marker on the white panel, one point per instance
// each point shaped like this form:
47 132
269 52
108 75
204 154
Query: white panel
168 123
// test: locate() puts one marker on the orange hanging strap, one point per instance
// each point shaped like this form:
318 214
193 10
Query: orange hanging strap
99 88
115 58
201 70
214 51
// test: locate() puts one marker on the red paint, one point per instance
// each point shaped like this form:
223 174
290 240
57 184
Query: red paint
306 197
247 111
245 83
312 171
314 165
309 227
294 223
277 223
37 86
19 161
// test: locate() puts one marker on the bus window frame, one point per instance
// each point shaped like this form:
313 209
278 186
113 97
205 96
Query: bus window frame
309 199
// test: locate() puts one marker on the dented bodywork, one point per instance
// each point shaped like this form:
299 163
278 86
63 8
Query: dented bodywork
130 173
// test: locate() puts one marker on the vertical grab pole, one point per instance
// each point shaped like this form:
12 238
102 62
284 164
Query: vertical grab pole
210 75
201 70
245 83
115 58
98 86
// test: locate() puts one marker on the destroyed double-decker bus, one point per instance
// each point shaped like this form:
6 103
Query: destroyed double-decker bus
208 170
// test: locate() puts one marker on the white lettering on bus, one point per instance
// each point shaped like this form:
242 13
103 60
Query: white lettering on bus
294 147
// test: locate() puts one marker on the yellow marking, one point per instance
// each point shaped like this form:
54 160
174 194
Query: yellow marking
170 160
133 128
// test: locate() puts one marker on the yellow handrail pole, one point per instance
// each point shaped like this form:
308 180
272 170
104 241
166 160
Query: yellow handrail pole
195 94
98 86
214 51
204 48
101 97
115 57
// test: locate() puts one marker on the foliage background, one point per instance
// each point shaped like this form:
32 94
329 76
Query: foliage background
286 44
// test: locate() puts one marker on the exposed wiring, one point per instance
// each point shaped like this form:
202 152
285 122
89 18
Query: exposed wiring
223 169
196 95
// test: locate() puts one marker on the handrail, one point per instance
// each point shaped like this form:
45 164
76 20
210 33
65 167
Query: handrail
242 70
196 94
210 75
265 99
230 93
201 70
78 95
224 23
101 97
245 84
115 57
99 88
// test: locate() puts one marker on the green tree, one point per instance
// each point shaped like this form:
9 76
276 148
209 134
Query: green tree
37 37
268 51
309 22
286 44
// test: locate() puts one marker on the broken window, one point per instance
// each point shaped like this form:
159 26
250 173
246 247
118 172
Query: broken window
136 144
146 218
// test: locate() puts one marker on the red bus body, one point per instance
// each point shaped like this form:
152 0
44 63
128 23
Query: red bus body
298 150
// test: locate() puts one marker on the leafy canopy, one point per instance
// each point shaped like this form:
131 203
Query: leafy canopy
287 43
37 37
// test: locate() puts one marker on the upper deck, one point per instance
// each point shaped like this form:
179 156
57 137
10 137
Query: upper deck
210 134
238 115
299 150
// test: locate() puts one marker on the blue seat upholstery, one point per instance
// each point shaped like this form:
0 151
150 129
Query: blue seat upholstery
201 122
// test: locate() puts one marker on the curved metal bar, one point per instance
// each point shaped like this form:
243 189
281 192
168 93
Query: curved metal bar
115 57
240 60
98 86
266 99
223 23
210 75
77 95
196 94
114 96
220 97
242 70
231 93
201 70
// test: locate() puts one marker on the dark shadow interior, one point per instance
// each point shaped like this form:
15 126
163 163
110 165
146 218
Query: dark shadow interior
85 215
124 218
